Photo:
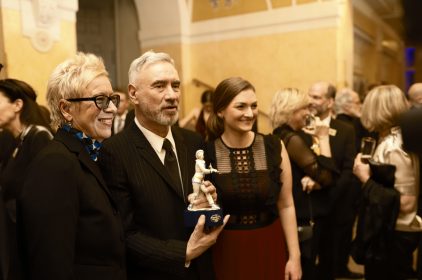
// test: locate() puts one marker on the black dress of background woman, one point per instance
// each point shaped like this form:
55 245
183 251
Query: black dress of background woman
25 132
312 174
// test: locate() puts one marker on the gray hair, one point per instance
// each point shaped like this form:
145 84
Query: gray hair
343 98
149 57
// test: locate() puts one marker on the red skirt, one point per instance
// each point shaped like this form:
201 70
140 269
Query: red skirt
251 254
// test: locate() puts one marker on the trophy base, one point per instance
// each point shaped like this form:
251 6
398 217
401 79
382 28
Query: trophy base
213 217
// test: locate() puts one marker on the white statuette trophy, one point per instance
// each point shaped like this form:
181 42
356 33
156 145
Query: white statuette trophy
213 213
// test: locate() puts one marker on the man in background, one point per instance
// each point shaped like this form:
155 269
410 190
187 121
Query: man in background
347 107
415 95
337 232
122 110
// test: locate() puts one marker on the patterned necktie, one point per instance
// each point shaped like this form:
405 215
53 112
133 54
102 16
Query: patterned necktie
170 162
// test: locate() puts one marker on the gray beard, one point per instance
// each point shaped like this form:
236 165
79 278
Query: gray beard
160 118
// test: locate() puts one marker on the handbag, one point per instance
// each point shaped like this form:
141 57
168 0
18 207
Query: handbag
378 211
305 232
383 173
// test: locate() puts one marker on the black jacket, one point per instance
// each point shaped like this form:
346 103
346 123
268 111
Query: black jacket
151 205
68 224
377 217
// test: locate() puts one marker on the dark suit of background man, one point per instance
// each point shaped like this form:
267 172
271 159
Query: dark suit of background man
119 121
159 246
337 233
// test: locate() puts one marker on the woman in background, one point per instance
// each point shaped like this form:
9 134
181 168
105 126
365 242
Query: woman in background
254 187
313 170
200 116
381 112
26 132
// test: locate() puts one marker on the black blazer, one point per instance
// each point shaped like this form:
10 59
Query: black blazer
343 151
68 225
151 206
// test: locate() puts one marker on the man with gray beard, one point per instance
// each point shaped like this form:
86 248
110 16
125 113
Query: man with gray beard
332 253
150 197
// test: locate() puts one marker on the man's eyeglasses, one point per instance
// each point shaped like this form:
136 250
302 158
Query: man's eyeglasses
101 101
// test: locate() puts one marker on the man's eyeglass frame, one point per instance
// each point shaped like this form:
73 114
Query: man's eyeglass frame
98 100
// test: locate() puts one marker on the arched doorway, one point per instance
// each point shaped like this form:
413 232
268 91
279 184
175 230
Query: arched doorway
109 28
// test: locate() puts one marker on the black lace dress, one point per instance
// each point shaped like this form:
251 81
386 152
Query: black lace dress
248 184
305 162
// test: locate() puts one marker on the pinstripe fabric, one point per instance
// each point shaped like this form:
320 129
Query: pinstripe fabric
151 207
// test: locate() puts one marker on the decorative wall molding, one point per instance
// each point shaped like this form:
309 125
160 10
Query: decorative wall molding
178 28
40 19
276 21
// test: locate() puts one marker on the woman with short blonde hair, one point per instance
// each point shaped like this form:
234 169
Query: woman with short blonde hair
285 102
313 171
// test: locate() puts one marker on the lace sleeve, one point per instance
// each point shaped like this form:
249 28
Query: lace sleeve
319 168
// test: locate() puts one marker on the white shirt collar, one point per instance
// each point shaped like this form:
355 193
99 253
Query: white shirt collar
327 120
156 141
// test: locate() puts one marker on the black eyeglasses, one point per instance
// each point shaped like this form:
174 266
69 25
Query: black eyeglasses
101 101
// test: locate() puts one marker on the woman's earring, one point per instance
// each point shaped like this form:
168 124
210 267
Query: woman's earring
69 123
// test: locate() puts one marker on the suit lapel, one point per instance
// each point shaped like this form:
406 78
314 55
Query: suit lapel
147 153
75 146
182 156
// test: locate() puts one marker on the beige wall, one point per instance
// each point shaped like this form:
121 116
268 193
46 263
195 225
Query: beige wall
269 62
286 46
25 63
294 59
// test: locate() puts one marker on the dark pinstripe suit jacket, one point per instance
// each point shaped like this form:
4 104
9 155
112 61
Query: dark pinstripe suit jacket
151 206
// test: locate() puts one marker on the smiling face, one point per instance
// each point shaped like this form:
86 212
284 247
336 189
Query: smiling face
297 120
85 115
156 94
321 105
240 115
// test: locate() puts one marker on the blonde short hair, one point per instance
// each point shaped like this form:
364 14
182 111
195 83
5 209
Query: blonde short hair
69 79
285 102
383 107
